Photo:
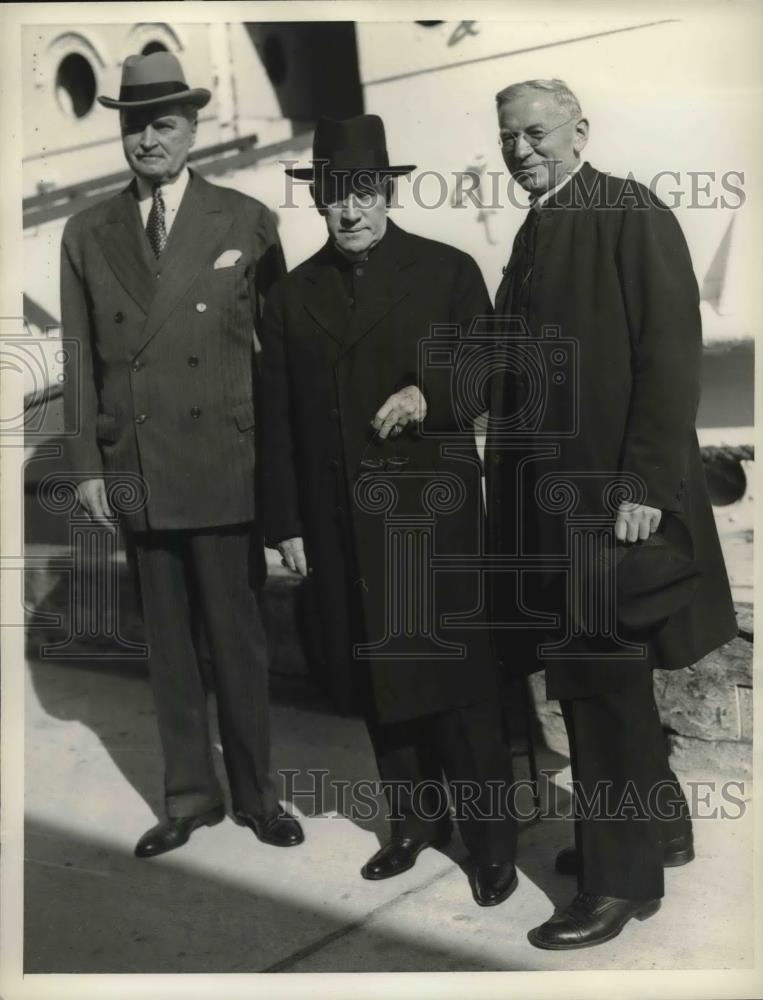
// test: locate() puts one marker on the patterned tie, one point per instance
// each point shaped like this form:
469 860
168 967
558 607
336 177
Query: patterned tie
156 229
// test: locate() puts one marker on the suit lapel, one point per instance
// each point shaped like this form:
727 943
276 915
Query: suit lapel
385 285
200 225
124 245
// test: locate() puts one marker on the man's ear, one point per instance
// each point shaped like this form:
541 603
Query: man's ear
194 125
581 135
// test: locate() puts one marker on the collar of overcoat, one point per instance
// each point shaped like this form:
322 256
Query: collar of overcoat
388 279
584 190
201 222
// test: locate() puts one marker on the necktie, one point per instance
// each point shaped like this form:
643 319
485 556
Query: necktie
156 228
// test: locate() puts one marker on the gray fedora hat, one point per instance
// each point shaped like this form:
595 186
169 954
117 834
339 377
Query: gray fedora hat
153 80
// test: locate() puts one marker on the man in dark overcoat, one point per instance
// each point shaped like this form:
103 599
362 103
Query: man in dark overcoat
362 491
162 287
600 291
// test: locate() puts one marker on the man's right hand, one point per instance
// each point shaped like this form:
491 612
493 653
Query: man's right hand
92 496
293 555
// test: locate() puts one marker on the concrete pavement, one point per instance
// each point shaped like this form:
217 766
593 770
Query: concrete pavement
226 903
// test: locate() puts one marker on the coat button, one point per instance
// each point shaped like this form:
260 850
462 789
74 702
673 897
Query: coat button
141 418
119 317
193 361
201 307
195 411
136 366
359 271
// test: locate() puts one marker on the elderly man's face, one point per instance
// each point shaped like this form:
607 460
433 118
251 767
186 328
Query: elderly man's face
540 141
156 142
356 215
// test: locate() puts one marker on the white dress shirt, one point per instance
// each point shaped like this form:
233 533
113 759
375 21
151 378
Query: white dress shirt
172 194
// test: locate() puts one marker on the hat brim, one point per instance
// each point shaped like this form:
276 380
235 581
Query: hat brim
199 97
309 173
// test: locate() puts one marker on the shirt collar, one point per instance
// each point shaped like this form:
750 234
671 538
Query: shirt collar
172 193
541 200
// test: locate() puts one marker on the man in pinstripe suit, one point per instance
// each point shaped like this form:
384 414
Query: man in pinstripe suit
162 287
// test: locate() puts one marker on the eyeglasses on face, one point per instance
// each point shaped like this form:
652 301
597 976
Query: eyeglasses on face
533 137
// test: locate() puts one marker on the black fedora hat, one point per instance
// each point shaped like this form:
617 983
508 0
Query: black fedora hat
351 145
653 578
153 80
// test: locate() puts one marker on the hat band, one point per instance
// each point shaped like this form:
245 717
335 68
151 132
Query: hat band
351 159
148 91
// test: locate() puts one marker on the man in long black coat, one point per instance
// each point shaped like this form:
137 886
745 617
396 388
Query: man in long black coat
360 490
600 291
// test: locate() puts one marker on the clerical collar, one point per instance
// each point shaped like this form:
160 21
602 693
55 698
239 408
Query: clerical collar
346 262
541 200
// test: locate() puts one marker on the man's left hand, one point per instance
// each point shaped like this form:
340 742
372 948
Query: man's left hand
636 522
407 406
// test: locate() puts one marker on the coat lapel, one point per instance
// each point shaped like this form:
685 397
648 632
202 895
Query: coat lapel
199 227
325 298
124 245
387 284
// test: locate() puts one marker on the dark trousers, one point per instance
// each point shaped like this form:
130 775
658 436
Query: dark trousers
185 574
617 747
467 745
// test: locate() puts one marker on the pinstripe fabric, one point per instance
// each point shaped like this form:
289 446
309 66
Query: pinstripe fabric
164 383
186 573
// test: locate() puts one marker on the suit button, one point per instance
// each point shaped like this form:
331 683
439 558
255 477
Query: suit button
359 271
201 307
195 411
193 361
141 418
136 366
119 317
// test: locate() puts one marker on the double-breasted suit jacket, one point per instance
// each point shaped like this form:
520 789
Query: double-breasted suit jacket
369 535
612 313
165 386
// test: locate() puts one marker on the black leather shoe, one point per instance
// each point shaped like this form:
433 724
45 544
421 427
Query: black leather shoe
398 856
494 883
675 852
590 920
174 832
280 829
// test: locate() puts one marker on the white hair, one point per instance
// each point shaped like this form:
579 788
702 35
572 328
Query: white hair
557 88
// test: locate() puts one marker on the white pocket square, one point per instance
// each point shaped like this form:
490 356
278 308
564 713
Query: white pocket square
227 259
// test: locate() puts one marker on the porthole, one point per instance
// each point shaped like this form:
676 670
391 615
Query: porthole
75 85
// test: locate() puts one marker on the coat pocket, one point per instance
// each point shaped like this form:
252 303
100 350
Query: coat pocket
243 414
106 428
